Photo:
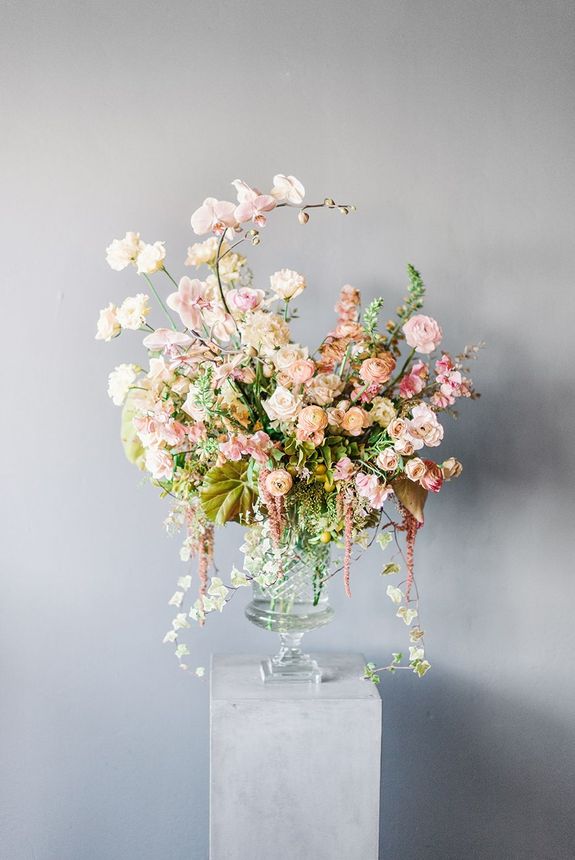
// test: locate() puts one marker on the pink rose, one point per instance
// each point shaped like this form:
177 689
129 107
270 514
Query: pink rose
422 333
388 460
301 371
415 469
343 470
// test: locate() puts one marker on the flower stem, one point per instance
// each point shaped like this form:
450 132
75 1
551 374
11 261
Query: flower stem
160 302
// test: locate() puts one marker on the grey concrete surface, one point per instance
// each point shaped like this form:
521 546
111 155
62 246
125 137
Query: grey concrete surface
450 124
294 769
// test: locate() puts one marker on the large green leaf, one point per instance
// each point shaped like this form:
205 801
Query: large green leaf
226 493
133 448
411 495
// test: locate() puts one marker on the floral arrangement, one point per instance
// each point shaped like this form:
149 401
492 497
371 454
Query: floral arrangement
236 422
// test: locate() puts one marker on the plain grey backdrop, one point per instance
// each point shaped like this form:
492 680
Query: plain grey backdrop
450 125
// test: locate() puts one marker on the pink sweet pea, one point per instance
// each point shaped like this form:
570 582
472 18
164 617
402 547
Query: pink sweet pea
414 382
373 490
159 463
234 448
213 216
343 470
258 446
189 302
252 205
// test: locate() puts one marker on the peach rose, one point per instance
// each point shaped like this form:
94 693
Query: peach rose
404 445
279 482
355 420
376 371
311 423
433 479
397 428
388 460
422 333
451 468
415 469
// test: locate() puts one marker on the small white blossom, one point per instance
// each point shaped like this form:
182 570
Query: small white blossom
200 671
185 582
170 636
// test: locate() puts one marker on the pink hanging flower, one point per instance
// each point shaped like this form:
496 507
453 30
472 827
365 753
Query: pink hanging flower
213 216
252 205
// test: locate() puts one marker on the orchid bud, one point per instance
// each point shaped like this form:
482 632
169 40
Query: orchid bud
302 217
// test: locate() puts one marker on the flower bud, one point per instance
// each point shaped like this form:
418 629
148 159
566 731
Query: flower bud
302 217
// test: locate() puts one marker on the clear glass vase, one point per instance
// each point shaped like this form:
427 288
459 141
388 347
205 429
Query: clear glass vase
294 603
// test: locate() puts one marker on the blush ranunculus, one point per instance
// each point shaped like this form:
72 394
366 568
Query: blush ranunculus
311 423
377 371
424 428
301 371
279 482
422 333
387 460
355 421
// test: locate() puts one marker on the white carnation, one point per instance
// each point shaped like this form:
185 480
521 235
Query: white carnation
133 311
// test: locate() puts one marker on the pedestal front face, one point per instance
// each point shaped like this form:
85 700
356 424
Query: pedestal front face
295 769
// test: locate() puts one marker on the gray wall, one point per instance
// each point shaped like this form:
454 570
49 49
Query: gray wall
450 124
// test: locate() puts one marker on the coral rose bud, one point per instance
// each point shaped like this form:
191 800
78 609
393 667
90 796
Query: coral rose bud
433 479
279 482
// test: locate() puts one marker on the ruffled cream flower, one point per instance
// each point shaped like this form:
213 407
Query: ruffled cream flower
264 331
124 251
287 284
108 326
324 388
382 411
119 382
151 258
133 311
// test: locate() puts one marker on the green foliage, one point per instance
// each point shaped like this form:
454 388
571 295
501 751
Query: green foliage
202 391
226 493
416 288
390 568
133 448
411 495
369 673
383 539
370 316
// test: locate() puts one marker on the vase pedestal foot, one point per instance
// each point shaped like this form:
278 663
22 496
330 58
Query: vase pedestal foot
291 665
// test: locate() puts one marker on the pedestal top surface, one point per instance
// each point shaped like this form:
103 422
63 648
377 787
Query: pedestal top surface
236 677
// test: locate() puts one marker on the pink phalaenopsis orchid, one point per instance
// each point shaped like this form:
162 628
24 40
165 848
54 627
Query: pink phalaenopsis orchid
165 339
252 205
214 216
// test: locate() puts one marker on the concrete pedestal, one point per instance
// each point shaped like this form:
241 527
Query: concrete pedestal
295 769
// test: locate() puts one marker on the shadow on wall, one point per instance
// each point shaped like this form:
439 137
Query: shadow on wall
467 773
